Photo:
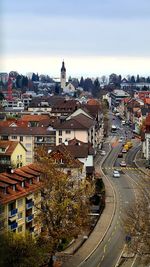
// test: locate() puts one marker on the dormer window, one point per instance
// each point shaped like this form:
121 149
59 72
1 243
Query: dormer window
30 181
14 187
2 150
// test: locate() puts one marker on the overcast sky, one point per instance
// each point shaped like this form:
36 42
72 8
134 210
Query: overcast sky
93 37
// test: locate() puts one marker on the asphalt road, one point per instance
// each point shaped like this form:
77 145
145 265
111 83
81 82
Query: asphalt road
126 187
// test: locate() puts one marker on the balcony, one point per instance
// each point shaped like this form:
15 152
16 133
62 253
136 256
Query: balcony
29 218
29 205
13 212
13 226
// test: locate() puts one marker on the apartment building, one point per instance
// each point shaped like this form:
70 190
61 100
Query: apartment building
19 198
29 137
80 127
12 153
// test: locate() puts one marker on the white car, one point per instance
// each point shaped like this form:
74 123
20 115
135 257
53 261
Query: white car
116 173
123 163
103 153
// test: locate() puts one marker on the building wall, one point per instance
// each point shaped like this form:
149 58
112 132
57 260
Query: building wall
20 217
28 143
78 134
18 157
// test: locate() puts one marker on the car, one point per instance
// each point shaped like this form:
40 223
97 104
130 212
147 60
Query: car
124 150
120 139
103 153
123 163
116 173
120 155
123 122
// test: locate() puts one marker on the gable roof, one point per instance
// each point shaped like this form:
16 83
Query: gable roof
62 152
80 122
9 147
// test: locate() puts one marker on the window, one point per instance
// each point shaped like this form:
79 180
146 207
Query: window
68 131
69 172
19 228
60 132
22 184
20 156
14 187
14 137
28 153
20 215
21 138
20 201
60 140
30 181
28 145
28 160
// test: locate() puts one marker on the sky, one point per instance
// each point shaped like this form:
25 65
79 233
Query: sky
94 38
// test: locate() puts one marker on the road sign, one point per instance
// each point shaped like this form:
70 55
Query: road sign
128 238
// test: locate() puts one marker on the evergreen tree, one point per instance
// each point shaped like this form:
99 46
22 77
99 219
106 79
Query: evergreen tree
96 88
132 80
81 83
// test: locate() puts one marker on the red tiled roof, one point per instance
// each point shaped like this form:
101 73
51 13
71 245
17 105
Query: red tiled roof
62 152
80 122
6 180
147 120
34 117
9 146
32 131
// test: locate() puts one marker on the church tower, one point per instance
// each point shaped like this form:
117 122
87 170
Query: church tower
63 76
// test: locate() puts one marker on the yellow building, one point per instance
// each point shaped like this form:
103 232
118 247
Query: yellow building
12 153
19 198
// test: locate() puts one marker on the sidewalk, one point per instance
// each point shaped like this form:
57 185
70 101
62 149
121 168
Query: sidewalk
96 236
140 162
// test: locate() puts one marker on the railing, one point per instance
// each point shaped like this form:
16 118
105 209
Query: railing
13 226
13 212
29 218
29 205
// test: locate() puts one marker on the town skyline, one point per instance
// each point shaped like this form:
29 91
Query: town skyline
94 38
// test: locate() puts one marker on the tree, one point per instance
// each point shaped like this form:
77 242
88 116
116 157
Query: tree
81 83
96 89
137 225
88 85
132 80
17 250
137 78
64 205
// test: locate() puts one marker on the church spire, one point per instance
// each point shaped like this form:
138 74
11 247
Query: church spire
63 76
63 66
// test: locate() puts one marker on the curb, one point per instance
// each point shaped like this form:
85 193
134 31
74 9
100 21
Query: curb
114 208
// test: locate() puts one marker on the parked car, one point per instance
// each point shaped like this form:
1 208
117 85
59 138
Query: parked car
120 155
124 150
123 163
103 153
116 174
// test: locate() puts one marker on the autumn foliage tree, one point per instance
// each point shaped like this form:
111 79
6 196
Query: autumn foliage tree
64 205
21 250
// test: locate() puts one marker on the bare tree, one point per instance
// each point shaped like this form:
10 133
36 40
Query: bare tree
137 226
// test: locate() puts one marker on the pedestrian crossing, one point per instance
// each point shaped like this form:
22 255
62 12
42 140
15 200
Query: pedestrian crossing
123 168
